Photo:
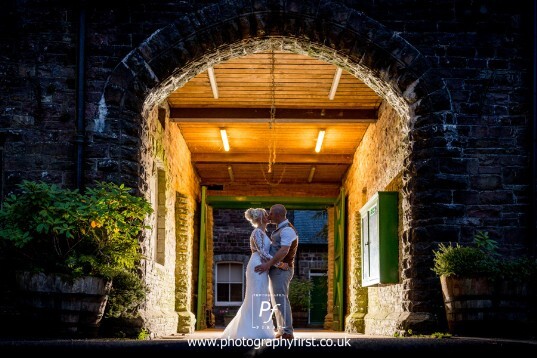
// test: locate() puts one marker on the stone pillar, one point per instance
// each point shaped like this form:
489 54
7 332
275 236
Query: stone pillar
358 295
329 318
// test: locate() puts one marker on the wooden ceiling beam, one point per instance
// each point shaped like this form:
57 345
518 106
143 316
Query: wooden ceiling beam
266 201
283 115
282 158
303 191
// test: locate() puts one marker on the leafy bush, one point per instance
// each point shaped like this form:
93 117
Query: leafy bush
299 294
521 269
482 259
127 294
462 260
57 230
50 229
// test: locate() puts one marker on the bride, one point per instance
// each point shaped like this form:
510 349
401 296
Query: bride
254 317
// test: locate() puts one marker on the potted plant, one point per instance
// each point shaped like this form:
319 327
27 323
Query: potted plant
484 292
300 300
229 314
63 240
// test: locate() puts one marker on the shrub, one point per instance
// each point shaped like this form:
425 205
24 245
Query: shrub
58 230
482 259
462 260
299 294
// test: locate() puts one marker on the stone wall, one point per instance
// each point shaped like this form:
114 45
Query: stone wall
465 48
167 309
378 166
457 74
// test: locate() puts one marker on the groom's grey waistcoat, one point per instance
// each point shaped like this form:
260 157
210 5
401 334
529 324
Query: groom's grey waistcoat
276 239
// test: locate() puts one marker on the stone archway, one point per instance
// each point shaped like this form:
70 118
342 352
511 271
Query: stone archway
330 32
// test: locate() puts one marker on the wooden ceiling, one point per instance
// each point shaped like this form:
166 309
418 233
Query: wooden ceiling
246 88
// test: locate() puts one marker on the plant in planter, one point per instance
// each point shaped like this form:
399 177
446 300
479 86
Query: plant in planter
478 260
484 292
121 316
300 300
60 236
229 314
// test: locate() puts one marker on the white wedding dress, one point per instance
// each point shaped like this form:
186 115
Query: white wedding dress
254 317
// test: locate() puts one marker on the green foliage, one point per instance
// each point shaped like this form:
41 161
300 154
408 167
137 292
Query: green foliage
126 296
323 233
116 218
41 210
410 333
485 243
50 229
440 335
462 260
299 294
522 269
143 335
57 230
482 259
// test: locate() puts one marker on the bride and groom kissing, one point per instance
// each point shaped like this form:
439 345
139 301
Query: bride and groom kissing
268 274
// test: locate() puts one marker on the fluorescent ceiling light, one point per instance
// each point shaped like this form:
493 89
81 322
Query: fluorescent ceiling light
310 177
223 134
335 84
212 79
320 138
230 172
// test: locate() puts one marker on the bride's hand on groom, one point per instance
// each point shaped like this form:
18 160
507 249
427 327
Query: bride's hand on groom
261 268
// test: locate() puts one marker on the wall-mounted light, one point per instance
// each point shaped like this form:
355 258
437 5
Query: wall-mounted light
230 172
320 138
223 134
312 172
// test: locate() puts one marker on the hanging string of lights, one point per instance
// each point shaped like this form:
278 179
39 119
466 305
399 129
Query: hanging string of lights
272 125
272 122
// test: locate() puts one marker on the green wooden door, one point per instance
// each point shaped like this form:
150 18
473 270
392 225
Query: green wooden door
318 299
339 257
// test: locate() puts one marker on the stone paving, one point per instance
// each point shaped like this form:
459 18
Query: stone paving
306 341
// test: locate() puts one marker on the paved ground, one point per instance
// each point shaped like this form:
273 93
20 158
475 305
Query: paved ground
306 341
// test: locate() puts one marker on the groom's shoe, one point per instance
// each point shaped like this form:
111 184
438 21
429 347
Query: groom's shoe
288 336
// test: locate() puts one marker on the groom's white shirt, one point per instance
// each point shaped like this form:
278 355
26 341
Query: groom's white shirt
287 234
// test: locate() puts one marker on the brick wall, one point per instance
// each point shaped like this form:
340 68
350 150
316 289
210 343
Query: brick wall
231 233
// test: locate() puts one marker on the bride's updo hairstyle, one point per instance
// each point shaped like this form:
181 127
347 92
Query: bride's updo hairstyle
254 215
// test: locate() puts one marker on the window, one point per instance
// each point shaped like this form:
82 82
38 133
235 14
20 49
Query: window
229 283
161 217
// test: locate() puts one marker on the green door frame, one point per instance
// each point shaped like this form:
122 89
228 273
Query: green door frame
291 203
339 262
201 319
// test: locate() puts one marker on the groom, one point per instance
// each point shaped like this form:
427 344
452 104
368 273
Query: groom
283 250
